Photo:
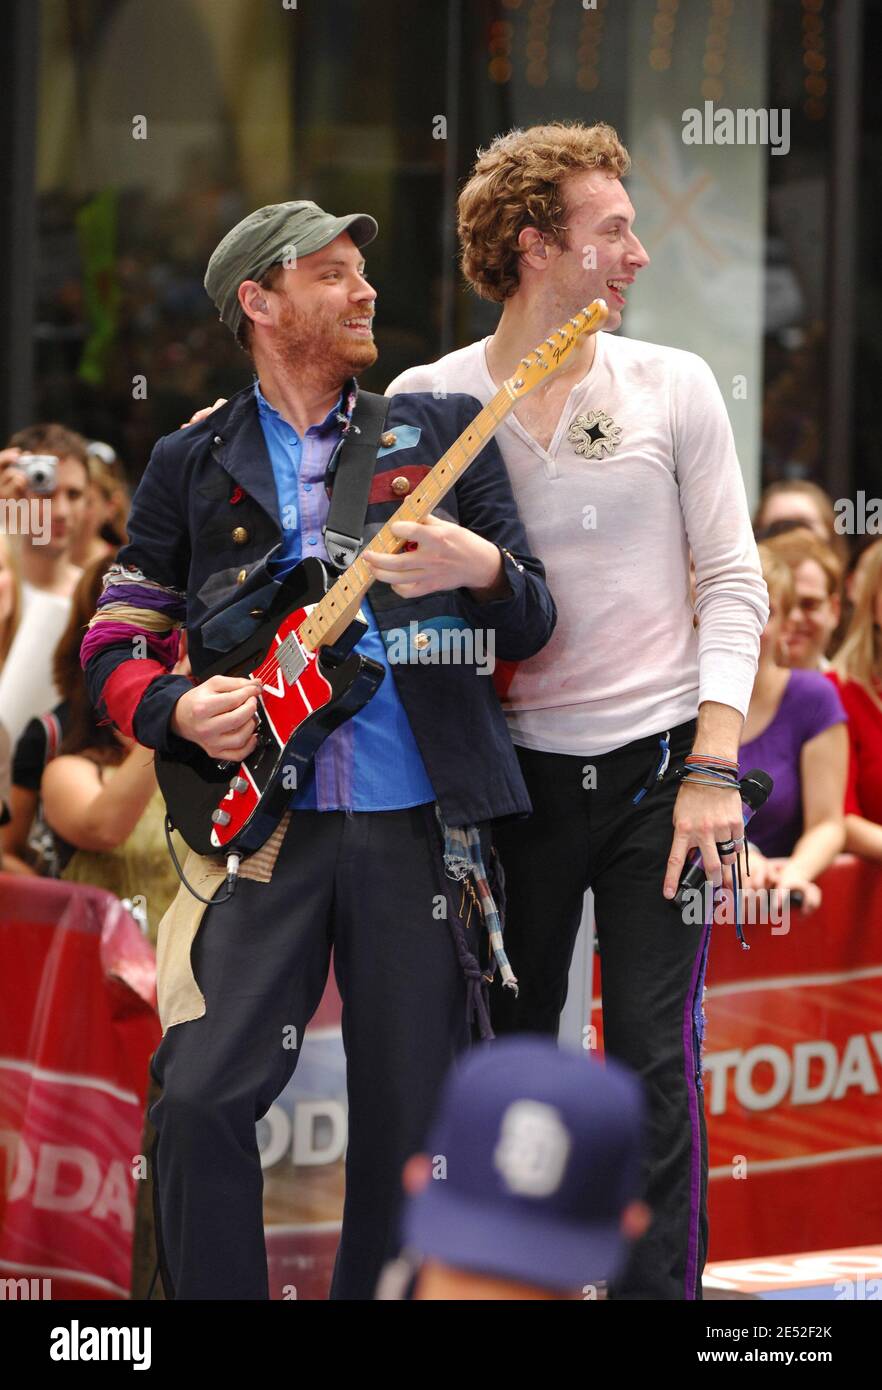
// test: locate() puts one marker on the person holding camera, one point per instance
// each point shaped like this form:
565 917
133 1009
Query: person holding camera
43 482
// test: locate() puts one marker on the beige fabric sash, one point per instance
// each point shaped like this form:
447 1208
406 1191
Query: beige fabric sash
179 997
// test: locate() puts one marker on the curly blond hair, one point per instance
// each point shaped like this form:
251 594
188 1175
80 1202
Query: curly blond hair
516 183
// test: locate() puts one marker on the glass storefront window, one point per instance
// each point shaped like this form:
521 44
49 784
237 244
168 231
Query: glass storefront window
160 125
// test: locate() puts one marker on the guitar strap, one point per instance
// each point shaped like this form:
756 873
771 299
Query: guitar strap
351 474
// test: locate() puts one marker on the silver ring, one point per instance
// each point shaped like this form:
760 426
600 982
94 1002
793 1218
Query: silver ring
729 846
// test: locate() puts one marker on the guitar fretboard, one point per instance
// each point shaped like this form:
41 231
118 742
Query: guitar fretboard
340 604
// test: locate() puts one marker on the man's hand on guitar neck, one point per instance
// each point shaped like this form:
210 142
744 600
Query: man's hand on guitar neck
219 716
442 555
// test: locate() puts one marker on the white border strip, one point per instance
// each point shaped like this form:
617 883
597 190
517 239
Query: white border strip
867 972
782 1165
69 1078
838 977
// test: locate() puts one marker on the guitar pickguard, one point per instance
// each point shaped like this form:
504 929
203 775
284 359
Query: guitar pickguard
286 702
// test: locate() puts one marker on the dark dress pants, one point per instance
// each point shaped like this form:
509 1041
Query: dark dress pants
370 885
585 832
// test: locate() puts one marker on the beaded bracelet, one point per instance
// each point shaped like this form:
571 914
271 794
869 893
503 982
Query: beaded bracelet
709 758
724 779
719 765
709 782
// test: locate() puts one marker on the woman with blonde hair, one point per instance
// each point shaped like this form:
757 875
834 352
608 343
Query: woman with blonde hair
795 731
100 817
816 606
101 799
857 670
28 844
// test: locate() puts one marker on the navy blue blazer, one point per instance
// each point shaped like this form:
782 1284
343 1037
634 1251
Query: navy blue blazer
210 485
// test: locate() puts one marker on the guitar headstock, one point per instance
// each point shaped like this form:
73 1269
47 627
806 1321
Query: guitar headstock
548 356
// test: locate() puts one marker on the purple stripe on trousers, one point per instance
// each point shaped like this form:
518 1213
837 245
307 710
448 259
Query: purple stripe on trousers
691 1073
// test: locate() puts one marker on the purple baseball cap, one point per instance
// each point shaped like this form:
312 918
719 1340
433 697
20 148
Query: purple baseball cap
536 1151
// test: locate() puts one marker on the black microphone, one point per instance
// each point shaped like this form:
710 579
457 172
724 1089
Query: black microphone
756 787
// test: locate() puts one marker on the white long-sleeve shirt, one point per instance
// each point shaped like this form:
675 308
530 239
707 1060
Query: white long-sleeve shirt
614 534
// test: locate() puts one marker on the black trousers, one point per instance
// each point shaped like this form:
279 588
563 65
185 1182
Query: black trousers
368 885
585 832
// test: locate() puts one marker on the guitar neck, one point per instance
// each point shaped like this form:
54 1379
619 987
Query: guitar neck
331 617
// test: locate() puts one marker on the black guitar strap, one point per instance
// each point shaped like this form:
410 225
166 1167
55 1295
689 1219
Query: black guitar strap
352 476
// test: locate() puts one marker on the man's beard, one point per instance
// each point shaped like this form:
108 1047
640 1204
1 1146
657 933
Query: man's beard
319 343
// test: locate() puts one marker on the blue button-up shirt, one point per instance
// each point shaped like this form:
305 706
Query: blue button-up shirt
371 762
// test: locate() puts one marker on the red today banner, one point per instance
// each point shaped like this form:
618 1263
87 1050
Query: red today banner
793 1075
77 1029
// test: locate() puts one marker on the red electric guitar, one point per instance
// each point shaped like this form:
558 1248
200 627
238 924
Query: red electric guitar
303 653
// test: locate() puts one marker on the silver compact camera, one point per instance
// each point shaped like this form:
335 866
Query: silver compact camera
40 470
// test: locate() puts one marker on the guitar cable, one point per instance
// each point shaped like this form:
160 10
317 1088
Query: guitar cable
233 861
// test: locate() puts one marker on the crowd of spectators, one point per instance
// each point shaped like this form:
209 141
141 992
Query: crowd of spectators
78 800
815 717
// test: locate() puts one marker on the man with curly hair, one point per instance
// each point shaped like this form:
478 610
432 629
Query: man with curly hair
621 464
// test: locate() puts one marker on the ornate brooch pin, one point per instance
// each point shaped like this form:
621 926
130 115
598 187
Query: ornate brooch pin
594 433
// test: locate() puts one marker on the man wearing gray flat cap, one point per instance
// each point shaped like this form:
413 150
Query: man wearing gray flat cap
274 236
398 801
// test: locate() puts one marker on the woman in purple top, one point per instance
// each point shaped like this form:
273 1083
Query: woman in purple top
796 731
